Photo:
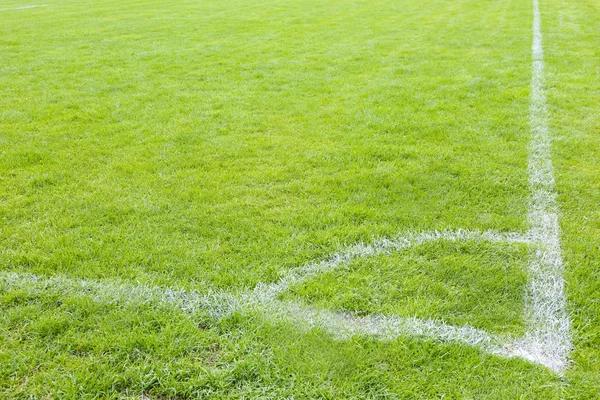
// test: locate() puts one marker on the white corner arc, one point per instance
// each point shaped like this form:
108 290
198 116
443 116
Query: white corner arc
547 341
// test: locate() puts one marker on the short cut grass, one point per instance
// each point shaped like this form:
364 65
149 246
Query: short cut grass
466 283
218 144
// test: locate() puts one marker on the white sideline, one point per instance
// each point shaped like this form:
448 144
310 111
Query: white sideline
547 341
24 7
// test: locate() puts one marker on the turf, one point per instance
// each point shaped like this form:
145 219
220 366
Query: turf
213 139
218 144
574 78
467 283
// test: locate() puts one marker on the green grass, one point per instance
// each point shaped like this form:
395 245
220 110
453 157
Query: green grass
218 144
474 283
574 86
184 143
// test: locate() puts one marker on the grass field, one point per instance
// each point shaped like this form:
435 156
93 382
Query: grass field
299 199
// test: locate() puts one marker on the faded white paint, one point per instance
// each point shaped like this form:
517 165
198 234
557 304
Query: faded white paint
24 7
547 341
382 246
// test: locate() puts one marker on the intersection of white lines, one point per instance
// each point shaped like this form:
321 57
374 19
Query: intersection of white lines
546 342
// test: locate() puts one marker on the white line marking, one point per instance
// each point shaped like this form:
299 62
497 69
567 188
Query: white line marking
219 303
263 298
216 303
24 7
547 342
387 327
381 246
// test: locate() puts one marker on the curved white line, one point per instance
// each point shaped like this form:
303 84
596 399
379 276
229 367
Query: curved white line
547 341
266 292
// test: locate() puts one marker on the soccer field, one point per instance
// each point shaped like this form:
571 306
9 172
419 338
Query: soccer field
300 199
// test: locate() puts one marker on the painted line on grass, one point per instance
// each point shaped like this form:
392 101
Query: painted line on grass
263 299
219 303
24 7
381 246
548 340
215 303
388 327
